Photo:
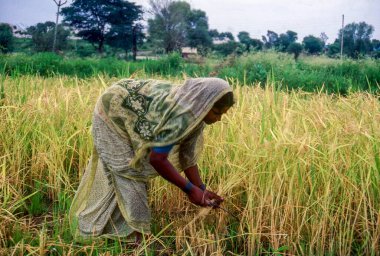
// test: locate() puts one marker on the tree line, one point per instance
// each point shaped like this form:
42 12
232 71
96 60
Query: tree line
172 25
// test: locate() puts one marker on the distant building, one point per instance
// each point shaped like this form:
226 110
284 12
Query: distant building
188 52
220 41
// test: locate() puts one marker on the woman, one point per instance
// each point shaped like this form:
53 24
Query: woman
141 129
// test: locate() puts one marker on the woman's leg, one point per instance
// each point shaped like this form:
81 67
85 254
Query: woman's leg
131 195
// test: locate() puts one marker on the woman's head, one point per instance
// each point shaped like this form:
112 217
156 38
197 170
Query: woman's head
220 107
199 94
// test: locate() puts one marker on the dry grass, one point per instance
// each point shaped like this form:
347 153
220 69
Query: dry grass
300 171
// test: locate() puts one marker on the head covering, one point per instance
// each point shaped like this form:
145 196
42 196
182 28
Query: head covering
152 113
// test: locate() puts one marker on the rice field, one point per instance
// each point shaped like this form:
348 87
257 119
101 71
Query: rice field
300 174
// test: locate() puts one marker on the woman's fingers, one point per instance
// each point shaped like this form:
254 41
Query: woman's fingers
205 198
214 196
213 199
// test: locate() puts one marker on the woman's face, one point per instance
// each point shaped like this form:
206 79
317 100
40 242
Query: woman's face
215 115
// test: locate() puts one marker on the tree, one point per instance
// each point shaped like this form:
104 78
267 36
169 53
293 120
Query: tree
6 38
59 3
286 39
215 35
333 49
357 39
93 19
324 38
228 48
249 42
43 36
228 35
376 48
376 44
197 30
257 44
125 30
174 24
245 39
271 41
126 39
296 49
312 44
168 27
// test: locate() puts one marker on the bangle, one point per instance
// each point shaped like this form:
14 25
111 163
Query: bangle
202 186
188 187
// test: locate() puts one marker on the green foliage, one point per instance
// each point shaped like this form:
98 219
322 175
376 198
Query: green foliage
228 48
127 39
312 44
356 38
376 49
249 43
285 40
271 40
245 39
167 29
96 20
214 34
125 33
83 49
6 38
43 36
295 48
23 45
333 49
376 44
175 25
197 30
36 204
50 64
17 235
308 73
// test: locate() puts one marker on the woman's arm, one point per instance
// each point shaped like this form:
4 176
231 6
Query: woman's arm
192 173
161 164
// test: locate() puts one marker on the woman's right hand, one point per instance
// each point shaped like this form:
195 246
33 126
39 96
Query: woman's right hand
198 197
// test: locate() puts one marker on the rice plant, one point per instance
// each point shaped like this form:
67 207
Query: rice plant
300 174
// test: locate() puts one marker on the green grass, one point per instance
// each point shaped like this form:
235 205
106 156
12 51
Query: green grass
312 74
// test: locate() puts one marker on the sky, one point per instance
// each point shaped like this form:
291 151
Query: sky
306 17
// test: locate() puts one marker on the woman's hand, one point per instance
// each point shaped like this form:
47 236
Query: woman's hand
215 199
199 197
204 198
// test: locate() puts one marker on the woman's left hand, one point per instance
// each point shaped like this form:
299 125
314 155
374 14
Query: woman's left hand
216 199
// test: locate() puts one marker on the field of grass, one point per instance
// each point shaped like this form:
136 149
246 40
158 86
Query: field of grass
299 171
309 73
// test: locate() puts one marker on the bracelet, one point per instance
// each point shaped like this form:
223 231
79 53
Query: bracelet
188 187
202 186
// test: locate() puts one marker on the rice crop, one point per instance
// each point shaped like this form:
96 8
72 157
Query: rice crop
300 174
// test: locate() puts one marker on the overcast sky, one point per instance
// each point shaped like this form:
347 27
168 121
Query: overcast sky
306 17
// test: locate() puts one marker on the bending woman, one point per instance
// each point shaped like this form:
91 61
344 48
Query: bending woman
142 129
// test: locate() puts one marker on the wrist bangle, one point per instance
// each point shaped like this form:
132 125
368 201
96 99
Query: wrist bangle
202 186
188 187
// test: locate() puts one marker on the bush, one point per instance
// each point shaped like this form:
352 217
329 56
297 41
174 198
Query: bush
308 73
6 38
